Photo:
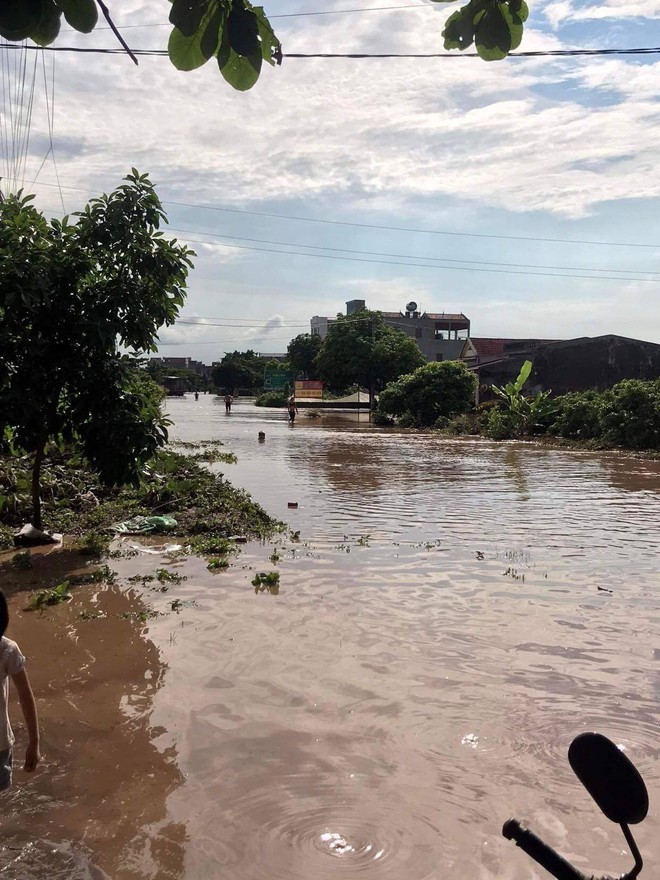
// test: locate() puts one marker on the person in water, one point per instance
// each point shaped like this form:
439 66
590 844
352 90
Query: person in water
12 665
228 402
291 408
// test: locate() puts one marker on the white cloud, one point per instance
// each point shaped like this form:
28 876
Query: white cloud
567 10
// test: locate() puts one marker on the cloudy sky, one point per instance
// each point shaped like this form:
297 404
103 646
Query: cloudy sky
524 193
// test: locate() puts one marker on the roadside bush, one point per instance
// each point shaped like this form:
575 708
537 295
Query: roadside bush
630 414
433 391
577 415
499 425
460 425
272 399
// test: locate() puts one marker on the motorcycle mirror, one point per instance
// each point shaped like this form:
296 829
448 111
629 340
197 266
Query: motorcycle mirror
610 777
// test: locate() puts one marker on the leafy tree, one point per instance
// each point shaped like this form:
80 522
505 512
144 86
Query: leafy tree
301 351
158 372
361 349
238 369
74 296
239 36
432 392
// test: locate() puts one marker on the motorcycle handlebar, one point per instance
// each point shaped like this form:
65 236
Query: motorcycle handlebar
542 853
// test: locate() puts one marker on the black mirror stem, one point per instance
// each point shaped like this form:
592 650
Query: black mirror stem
639 864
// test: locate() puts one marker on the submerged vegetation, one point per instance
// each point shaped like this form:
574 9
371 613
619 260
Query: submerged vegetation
206 507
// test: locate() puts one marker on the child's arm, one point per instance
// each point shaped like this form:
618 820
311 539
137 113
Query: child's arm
29 707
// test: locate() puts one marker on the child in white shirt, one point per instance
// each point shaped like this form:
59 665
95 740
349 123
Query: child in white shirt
12 665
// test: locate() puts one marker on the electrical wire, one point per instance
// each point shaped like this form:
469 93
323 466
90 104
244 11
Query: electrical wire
383 226
545 53
417 265
410 256
289 15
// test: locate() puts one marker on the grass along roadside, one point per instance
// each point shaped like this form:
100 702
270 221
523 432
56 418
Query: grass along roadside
204 504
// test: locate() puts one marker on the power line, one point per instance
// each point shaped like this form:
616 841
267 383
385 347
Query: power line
245 247
546 53
382 226
411 256
124 27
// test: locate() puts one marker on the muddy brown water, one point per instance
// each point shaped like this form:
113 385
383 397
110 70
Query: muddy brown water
438 638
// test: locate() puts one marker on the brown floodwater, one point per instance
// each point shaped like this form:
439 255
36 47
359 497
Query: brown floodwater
450 616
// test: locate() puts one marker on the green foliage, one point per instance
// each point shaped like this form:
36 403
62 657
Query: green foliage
302 350
433 391
577 415
460 425
361 349
238 369
204 504
495 27
94 544
235 32
627 415
22 561
73 298
272 399
524 414
53 596
239 36
267 582
499 424
218 563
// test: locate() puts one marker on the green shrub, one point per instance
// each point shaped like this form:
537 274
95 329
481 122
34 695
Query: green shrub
499 425
577 415
461 425
272 398
432 391
630 415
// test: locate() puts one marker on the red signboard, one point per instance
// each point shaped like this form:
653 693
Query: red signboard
308 389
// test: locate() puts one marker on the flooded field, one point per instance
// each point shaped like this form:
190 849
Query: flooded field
450 615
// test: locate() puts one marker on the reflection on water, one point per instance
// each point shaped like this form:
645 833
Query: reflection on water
437 640
96 806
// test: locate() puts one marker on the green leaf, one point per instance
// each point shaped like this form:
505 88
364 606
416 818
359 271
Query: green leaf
523 375
187 15
459 28
18 18
82 15
240 72
496 32
212 35
269 41
520 9
243 30
185 52
49 25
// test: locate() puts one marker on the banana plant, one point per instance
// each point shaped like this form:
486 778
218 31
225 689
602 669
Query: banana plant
526 412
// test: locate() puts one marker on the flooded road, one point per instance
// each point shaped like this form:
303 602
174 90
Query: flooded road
450 616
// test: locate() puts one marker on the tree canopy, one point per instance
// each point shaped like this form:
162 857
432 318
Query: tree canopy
361 349
239 36
302 351
434 391
238 369
74 298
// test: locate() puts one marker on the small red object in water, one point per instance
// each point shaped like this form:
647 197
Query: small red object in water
292 504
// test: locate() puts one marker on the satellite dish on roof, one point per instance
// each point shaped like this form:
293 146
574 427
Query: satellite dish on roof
412 306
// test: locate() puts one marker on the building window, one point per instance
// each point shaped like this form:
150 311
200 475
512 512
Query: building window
418 332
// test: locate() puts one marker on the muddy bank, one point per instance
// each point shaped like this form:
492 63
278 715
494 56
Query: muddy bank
176 484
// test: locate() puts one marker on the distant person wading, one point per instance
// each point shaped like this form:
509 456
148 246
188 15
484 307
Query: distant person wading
291 408
228 402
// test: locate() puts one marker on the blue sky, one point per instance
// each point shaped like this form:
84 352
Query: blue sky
526 150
